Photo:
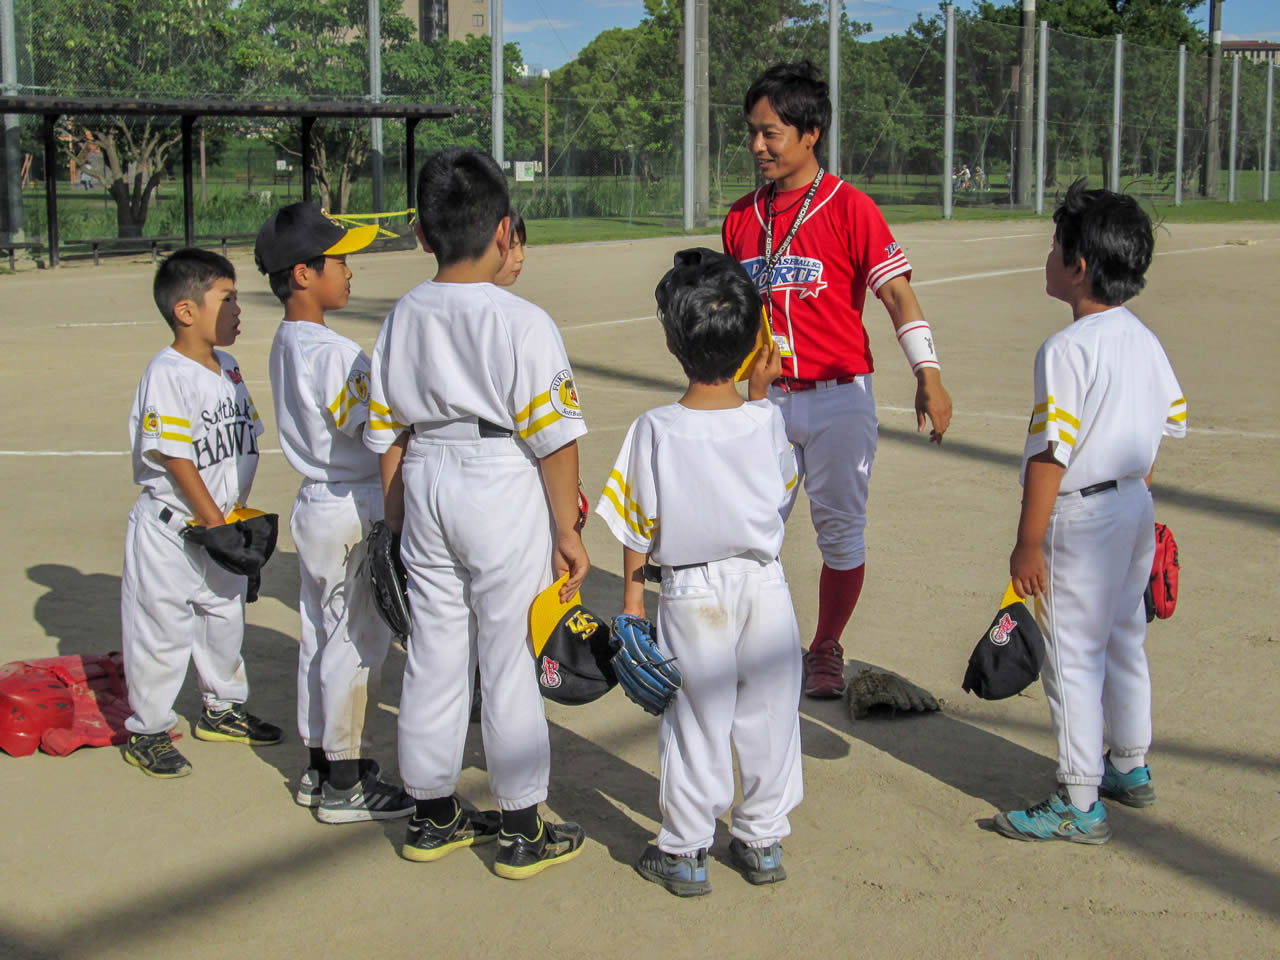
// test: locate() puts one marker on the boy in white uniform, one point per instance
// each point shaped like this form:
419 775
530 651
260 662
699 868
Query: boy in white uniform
475 413
320 386
700 486
194 434
1105 394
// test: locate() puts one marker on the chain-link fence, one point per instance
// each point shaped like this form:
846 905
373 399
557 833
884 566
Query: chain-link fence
603 136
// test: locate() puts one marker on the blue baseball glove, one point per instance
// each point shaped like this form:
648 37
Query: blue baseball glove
646 677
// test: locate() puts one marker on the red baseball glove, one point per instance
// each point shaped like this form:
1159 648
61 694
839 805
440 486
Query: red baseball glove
1162 590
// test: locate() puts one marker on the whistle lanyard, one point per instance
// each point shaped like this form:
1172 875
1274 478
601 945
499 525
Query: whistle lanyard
772 259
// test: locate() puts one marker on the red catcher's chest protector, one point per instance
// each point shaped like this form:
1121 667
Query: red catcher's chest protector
61 703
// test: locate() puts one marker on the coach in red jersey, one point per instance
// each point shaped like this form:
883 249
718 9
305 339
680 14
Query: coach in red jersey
814 246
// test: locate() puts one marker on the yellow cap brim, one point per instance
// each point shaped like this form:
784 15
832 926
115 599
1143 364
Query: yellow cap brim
357 238
762 343
547 611
244 513
1010 596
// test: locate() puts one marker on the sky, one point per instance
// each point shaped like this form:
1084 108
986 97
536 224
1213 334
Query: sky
551 32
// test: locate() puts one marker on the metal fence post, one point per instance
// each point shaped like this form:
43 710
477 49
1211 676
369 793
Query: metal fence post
375 94
1042 123
1182 123
1235 128
496 72
12 188
1266 150
1117 105
690 185
949 115
834 7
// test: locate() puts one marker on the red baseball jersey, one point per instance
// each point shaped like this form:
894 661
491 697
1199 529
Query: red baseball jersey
818 288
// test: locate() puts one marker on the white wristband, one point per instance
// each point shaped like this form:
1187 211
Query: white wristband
916 340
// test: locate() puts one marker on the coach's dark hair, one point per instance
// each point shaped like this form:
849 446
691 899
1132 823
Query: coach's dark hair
1114 236
280 280
710 311
187 274
462 197
798 95
517 226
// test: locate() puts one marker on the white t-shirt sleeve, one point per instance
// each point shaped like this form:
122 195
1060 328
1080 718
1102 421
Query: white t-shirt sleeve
629 503
784 451
342 382
383 426
1059 399
164 427
544 402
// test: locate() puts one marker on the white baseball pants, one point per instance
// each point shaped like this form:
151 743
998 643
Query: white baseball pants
731 627
344 642
477 545
833 429
1098 551
176 606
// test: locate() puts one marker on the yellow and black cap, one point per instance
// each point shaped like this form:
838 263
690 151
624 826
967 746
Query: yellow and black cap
571 648
1010 654
303 231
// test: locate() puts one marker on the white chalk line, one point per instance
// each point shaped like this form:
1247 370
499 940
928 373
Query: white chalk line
1007 236
90 453
605 323
118 323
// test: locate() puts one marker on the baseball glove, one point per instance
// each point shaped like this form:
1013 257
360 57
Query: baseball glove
240 546
1162 590
874 687
646 677
389 579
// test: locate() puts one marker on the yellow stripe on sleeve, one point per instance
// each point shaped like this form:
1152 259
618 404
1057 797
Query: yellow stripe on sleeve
543 421
617 505
1043 407
338 401
376 424
175 437
1067 438
537 401
1178 417
379 408
176 422
1068 418
792 482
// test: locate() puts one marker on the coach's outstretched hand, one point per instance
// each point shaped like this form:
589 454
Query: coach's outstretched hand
932 401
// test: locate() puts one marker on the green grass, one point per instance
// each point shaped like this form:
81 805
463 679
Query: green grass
583 230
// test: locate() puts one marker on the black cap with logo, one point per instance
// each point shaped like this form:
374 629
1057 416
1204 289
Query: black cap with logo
1009 656
303 231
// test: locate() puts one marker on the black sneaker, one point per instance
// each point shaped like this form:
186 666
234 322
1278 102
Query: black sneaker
237 725
426 841
520 858
155 755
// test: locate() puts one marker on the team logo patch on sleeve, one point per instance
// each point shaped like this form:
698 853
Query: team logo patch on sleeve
564 395
358 384
151 422
234 376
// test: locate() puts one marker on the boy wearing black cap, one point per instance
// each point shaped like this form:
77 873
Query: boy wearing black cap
1105 395
699 487
320 384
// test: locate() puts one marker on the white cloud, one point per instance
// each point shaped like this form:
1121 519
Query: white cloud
1265 35
614 4
529 26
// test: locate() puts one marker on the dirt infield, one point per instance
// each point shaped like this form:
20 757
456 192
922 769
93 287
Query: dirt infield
890 854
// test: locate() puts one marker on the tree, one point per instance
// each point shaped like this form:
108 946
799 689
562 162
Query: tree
131 48
1151 23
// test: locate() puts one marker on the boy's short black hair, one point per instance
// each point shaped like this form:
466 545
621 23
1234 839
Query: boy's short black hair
1112 233
462 197
798 95
280 279
187 274
710 311
517 226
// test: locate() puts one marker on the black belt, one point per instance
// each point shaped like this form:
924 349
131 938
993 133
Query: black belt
1097 488
489 429
653 572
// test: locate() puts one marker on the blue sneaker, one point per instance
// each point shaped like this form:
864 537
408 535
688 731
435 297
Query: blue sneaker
758 864
1056 819
1133 789
685 876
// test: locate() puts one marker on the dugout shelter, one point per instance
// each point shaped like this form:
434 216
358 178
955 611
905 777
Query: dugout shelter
189 111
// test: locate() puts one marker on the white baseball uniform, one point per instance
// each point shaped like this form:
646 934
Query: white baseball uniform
482 379
320 383
176 604
1105 394
702 492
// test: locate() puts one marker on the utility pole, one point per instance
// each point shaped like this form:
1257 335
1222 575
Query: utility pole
11 184
375 94
688 57
546 133
1213 135
834 10
1026 103
702 99
496 70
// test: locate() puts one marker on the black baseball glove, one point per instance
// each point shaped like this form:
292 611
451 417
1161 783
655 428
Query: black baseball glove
241 546
390 581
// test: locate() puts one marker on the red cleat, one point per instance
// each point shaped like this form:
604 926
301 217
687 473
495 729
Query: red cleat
824 673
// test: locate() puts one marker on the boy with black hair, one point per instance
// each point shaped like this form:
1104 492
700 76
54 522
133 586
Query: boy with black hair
699 487
1105 394
320 387
514 263
475 413
814 245
194 435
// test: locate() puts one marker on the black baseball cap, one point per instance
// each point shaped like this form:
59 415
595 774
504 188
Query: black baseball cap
571 648
1010 654
303 231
